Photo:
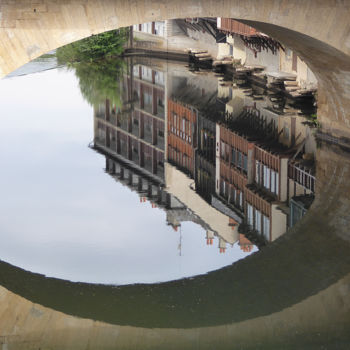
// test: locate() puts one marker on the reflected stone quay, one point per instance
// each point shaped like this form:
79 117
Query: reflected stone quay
176 197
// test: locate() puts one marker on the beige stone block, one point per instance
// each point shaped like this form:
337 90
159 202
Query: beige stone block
6 23
29 15
53 8
39 7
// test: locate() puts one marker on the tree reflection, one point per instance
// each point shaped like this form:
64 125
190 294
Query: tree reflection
100 80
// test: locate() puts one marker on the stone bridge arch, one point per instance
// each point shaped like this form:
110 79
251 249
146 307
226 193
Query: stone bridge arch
319 30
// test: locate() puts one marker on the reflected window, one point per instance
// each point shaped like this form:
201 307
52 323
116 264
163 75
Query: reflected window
233 157
222 149
266 227
250 215
257 223
241 199
245 163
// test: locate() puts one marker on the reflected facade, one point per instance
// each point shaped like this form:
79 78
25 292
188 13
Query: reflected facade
237 159
236 153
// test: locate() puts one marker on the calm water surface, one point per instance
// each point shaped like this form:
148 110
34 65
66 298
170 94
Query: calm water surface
120 175
62 216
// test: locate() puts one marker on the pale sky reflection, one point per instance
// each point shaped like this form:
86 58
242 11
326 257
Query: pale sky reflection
62 216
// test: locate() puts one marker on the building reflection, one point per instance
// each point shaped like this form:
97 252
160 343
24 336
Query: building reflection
234 157
265 162
136 131
132 139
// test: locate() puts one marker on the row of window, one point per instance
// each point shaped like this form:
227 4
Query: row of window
224 151
266 177
207 141
148 99
182 135
148 154
156 28
147 75
232 194
159 137
180 158
181 123
258 221
181 127
238 158
255 219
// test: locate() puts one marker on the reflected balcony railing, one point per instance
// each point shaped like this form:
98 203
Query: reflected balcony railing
303 175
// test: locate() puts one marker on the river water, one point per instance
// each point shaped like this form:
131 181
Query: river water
64 217
146 171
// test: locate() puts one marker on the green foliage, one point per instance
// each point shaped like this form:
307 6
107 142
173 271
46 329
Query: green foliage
107 44
92 60
312 121
100 80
